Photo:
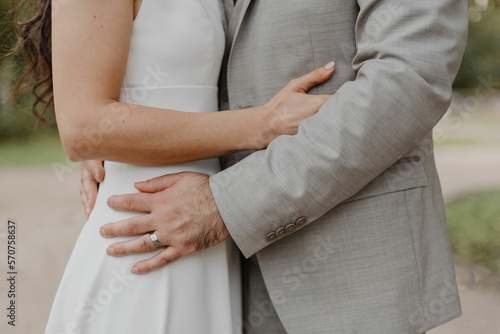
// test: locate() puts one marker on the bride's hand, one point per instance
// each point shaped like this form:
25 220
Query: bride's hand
287 109
92 175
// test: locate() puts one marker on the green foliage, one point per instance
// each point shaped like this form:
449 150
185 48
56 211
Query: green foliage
482 54
16 119
474 224
40 150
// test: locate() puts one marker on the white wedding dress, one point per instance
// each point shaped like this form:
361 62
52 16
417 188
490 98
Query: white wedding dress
174 62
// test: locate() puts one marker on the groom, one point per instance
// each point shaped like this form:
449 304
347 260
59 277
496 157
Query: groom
343 223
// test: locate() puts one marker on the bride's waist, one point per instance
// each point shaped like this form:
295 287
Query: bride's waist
182 98
120 177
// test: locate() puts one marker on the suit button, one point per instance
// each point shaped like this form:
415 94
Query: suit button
225 96
280 233
301 221
271 236
290 228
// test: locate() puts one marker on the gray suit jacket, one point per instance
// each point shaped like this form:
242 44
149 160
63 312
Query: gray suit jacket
346 217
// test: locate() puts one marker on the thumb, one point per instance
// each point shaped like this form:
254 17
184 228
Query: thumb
158 183
95 168
98 170
316 77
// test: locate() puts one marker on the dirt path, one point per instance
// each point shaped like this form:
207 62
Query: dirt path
47 208
49 218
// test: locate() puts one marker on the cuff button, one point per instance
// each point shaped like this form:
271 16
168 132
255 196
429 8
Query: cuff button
271 236
290 228
280 233
301 221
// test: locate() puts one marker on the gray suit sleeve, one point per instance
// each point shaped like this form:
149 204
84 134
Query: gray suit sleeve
404 71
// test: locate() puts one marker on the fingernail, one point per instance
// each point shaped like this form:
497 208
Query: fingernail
134 270
111 251
96 175
103 232
329 66
142 183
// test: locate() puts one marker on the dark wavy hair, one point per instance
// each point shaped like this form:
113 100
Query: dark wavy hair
34 43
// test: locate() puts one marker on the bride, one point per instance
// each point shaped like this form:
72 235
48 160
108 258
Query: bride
135 84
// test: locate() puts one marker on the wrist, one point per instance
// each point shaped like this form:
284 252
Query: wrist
262 133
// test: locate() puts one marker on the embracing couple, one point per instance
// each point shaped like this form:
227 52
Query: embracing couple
327 214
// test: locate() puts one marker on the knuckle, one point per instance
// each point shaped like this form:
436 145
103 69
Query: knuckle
86 187
132 227
154 180
315 78
119 250
318 103
142 268
163 260
144 245
147 221
108 231
294 84
129 202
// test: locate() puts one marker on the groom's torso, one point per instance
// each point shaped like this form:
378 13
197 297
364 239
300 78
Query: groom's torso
279 40
330 276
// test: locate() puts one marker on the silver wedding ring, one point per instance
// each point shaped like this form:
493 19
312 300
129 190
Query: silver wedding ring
155 240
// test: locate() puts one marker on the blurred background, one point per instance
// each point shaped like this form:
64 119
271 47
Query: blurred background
39 187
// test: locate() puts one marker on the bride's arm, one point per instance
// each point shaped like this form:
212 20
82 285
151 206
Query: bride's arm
90 45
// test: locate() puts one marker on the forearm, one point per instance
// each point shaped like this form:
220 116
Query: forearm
117 132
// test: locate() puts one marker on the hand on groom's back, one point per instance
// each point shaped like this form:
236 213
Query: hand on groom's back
92 175
180 209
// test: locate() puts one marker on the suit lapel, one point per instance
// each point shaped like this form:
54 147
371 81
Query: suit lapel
244 8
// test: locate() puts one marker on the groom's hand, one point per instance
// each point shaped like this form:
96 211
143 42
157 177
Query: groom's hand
180 208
